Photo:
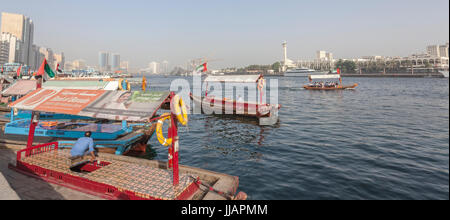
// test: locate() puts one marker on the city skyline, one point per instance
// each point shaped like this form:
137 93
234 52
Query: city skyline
237 33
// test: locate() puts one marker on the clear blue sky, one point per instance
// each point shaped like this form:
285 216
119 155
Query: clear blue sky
237 32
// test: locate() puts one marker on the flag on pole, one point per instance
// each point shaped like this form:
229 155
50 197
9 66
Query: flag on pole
202 68
19 70
45 68
58 69
2 68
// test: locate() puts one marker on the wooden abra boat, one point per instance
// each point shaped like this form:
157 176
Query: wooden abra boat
266 113
327 86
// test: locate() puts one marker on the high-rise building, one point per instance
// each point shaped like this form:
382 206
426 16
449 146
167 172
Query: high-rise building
22 28
103 61
154 67
433 50
115 62
10 49
48 55
443 50
321 55
329 56
59 59
36 57
79 65
164 67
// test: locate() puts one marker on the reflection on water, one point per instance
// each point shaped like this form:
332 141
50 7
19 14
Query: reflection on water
388 139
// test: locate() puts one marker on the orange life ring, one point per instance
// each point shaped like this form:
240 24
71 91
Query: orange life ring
49 123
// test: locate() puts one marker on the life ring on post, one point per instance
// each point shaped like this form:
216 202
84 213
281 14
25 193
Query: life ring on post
164 141
121 86
179 109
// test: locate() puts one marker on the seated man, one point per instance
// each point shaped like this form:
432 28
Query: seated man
83 147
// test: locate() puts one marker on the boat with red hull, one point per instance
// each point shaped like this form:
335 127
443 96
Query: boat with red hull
266 113
329 85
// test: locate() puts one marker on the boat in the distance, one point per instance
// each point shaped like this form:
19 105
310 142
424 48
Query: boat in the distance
302 72
317 83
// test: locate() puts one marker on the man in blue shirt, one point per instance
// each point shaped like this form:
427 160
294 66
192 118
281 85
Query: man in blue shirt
83 147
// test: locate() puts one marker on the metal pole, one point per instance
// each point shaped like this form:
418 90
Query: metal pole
33 124
175 147
12 109
173 151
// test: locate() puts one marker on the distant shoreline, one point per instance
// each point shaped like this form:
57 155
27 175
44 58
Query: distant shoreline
396 75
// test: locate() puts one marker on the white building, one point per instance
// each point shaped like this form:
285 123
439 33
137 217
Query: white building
443 50
438 50
154 68
433 50
10 49
164 67
286 63
322 55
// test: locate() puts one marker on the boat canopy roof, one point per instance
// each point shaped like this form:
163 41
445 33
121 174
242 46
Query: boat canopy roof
82 84
113 105
330 76
21 87
235 78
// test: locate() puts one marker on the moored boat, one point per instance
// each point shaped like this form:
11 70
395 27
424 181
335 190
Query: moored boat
266 113
114 177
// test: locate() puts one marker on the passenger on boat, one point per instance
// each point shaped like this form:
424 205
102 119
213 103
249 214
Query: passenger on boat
83 147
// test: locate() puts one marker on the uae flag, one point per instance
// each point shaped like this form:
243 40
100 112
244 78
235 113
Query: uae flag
58 69
202 68
45 68
2 69
18 71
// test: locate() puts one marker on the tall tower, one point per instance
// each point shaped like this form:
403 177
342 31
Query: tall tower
115 61
284 67
22 28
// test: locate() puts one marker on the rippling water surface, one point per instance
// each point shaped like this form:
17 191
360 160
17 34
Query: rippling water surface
388 139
